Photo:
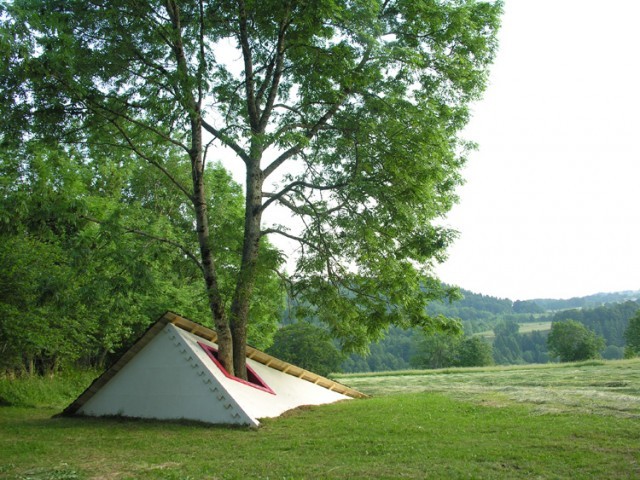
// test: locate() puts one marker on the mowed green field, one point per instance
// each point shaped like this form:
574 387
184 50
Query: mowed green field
524 328
555 421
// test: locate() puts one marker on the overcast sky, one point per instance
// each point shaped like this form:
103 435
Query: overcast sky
551 207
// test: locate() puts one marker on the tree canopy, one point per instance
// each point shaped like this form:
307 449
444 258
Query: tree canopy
572 341
346 114
76 291
307 346
632 336
440 351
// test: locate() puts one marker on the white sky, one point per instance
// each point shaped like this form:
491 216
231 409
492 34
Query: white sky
551 207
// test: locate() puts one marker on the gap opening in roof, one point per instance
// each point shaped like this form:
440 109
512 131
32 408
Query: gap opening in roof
253 379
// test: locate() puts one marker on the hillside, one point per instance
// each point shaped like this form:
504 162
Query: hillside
476 306
605 313
589 301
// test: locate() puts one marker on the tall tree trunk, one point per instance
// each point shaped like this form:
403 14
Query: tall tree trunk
225 343
246 277
193 107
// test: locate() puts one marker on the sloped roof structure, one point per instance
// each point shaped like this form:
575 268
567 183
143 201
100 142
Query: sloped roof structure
171 372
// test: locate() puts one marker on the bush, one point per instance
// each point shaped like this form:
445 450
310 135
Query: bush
441 351
571 341
632 336
306 346
45 391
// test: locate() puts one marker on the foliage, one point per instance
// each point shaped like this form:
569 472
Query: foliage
393 352
306 346
49 391
346 113
473 306
441 351
533 346
506 348
76 286
587 302
474 352
632 336
435 351
527 344
572 341
527 306
611 352
609 321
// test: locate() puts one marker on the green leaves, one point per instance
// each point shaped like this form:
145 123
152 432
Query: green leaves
307 346
632 336
346 113
572 341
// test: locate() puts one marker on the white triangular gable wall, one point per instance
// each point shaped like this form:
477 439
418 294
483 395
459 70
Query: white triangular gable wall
166 380
172 377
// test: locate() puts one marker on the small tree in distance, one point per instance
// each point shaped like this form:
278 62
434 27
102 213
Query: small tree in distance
474 352
306 346
442 351
632 336
571 341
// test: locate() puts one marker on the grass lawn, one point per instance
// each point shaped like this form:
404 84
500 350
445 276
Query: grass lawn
448 424
610 388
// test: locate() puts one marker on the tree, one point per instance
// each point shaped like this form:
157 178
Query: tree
440 351
435 351
526 306
571 341
306 346
632 336
506 345
74 291
345 113
474 352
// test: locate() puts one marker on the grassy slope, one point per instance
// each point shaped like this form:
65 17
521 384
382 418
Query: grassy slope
474 423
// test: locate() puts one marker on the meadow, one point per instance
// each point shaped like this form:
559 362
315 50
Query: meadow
527 327
552 421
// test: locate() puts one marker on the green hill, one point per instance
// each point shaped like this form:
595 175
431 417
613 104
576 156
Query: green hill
605 313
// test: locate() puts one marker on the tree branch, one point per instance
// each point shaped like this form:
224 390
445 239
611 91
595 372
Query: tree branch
145 126
277 75
151 161
345 92
273 197
202 66
290 205
312 132
268 72
226 141
301 240
252 107
182 248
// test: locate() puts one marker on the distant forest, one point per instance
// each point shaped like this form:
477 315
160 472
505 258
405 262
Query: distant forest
515 330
